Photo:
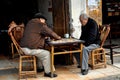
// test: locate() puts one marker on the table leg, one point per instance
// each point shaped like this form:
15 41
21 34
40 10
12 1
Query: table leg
81 48
52 60
71 56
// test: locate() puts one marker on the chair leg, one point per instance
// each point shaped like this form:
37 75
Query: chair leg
27 70
98 58
12 47
93 62
105 65
35 67
20 67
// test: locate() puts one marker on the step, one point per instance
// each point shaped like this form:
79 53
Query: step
116 58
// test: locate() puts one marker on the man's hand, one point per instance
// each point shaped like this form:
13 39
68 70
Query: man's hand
59 37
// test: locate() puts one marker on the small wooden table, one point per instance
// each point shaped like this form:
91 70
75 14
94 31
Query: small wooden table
70 43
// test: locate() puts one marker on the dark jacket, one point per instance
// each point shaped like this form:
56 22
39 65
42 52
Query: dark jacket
35 33
90 33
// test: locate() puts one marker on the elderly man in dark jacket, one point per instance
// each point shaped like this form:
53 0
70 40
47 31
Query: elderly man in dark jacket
33 41
90 34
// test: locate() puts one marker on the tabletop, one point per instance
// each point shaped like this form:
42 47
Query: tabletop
65 41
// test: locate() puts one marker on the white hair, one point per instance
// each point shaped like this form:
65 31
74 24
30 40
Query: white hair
83 16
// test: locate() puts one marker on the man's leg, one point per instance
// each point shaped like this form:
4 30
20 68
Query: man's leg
42 56
85 57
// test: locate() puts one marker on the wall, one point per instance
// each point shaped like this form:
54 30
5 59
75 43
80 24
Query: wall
43 6
94 10
77 7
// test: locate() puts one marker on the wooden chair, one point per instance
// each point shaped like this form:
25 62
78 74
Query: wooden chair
18 33
111 45
97 57
27 63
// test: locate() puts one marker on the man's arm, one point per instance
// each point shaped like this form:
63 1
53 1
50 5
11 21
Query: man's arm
47 31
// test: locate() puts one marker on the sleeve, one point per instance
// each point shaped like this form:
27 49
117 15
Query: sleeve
48 32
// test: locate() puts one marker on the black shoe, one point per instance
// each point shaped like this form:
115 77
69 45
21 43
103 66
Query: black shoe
49 75
78 66
40 70
84 71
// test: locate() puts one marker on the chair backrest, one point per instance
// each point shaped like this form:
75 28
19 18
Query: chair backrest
16 33
104 33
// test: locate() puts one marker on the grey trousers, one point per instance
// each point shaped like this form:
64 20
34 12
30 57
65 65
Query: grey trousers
85 55
43 57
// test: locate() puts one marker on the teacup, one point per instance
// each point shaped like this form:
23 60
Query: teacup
66 35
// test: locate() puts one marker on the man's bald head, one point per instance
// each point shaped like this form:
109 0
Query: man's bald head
83 19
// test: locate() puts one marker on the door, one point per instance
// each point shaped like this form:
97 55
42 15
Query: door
60 16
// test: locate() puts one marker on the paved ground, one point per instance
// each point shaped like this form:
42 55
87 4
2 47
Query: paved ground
9 71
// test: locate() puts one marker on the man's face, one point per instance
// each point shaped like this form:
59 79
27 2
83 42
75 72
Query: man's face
83 21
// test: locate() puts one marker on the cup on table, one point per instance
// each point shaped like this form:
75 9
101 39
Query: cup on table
66 35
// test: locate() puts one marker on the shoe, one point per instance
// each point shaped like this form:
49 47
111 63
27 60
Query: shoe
84 71
49 75
78 66
40 70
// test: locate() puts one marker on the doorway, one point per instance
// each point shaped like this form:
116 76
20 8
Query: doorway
17 10
61 16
